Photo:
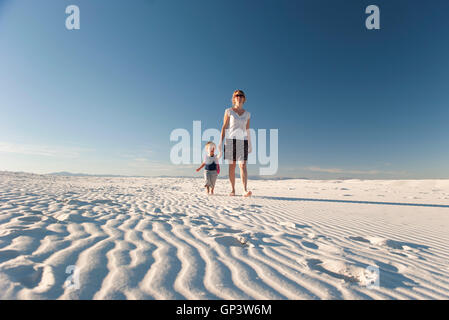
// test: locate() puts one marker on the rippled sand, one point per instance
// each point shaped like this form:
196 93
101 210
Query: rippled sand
165 238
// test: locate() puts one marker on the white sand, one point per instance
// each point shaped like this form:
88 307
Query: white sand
164 238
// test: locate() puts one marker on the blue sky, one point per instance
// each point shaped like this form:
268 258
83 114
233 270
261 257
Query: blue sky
347 101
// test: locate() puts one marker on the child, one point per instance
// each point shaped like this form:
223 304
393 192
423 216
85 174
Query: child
212 167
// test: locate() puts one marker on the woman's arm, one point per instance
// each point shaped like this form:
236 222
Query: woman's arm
223 131
249 137
225 126
218 165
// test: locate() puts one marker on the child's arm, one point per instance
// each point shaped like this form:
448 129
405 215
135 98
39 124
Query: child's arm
201 167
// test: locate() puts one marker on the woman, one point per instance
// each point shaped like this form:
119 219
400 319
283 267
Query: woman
237 144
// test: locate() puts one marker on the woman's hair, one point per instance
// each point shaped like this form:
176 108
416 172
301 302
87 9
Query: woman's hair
236 92
210 144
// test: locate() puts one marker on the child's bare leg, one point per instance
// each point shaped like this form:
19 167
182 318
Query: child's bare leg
212 190
207 189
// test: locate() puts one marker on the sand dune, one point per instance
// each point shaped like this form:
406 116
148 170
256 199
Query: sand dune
83 237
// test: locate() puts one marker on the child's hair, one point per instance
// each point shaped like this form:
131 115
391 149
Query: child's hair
210 144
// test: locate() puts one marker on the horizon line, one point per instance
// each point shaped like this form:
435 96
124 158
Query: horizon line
254 177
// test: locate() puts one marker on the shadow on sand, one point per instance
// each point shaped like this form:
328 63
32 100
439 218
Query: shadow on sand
355 201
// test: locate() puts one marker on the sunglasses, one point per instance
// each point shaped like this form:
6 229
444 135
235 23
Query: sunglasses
239 95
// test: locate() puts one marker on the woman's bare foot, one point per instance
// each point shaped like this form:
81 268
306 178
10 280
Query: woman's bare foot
247 194
232 193
207 188
212 191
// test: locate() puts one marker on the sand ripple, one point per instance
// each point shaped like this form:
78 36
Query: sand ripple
164 238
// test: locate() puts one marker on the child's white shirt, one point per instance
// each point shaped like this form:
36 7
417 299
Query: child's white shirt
208 161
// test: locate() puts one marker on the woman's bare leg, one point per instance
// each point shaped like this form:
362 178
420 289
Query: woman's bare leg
244 176
232 177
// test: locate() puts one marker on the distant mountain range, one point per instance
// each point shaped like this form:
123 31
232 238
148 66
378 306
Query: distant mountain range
66 173
198 176
71 174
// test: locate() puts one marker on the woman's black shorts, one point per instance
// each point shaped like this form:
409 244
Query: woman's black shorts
236 150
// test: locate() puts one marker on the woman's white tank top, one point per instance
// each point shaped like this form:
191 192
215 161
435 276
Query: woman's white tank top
237 125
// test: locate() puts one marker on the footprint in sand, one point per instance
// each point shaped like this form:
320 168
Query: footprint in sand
293 225
157 210
27 275
30 219
309 245
403 249
314 236
287 224
72 217
360 239
252 208
244 239
6 255
230 241
344 271
199 220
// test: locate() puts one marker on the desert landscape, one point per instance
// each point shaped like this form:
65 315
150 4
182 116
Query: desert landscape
79 237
